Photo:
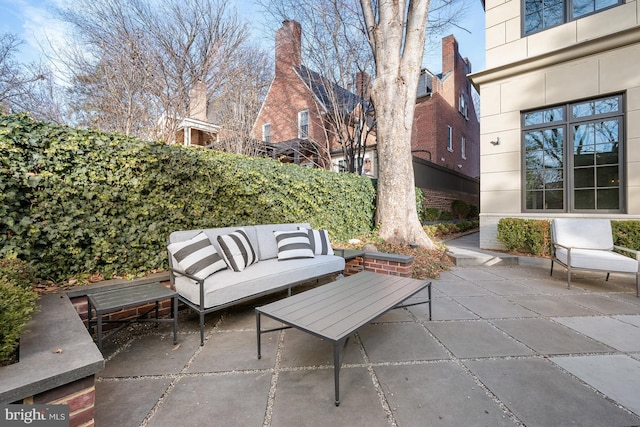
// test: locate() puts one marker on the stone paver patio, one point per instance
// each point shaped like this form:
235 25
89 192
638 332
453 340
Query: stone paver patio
508 346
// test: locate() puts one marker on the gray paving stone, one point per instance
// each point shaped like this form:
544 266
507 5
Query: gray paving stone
134 359
476 339
462 288
540 394
508 287
631 319
438 394
475 274
550 305
400 342
306 398
602 304
552 285
302 349
616 376
227 400
127 402
516 273
614 333
547 337
443 309
494 307
235 350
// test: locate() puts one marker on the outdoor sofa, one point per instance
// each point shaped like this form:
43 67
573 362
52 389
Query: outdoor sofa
215 268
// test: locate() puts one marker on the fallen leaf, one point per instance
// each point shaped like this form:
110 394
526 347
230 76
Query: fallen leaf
57 351
177 346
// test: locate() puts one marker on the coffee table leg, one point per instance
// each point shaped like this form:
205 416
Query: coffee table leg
336 370
258 332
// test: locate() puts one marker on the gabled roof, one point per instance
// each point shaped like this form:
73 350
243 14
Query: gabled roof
328 93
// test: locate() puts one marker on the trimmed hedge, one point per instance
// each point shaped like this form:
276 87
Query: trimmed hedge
525 235
534 236
76 202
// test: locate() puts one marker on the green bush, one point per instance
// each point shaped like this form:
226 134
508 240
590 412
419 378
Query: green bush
431 214
445 216
18 303
525 235
626 234
474 212
460 209
76 201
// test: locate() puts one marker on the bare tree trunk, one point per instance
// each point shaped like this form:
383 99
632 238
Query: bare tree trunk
397 37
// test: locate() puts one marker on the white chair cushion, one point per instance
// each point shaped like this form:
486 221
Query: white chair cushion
583 233
598 260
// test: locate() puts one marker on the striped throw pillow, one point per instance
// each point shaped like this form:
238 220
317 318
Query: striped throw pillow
293 244
197 256
237 250
319 240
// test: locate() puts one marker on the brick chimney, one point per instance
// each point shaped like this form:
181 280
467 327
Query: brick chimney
449 54
288 46
198 101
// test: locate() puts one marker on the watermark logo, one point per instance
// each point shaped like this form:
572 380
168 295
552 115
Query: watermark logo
34 415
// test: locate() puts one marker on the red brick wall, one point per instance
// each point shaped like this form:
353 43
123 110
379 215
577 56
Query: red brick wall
379 266
79 395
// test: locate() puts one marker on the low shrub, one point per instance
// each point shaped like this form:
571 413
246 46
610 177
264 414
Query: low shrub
431 214
445 216
18 303
525 235
460 209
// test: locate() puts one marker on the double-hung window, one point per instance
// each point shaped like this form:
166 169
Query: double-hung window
573 157
539 15
266 132
303 124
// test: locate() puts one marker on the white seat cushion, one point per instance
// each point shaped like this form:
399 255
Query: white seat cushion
598 260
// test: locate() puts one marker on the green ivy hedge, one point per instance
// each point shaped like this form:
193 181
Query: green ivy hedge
76 201
17 279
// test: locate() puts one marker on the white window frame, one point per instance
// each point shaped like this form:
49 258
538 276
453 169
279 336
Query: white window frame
266 133
463 148
303 124
449 138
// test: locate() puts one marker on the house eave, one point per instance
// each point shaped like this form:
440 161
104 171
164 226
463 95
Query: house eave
569 53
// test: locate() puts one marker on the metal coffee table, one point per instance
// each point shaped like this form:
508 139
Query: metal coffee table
339 309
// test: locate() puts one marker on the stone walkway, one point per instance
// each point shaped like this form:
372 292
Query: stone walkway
508 346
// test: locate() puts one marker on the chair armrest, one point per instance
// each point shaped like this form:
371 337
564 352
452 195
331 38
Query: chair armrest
621 248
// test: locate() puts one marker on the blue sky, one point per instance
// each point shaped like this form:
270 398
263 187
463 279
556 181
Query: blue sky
32 21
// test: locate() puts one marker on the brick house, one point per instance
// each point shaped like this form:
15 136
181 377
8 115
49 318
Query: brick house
560 111
292 121
446 130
